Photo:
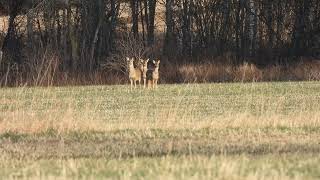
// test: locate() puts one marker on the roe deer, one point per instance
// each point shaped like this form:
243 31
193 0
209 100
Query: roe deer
153 75
134 73
144 69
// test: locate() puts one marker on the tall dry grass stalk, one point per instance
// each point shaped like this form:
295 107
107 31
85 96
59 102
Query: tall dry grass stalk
205 73
45 68
210 72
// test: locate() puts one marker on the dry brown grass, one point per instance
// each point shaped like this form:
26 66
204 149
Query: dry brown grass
48 73
306 70
210 72
32 123
204 73
247 73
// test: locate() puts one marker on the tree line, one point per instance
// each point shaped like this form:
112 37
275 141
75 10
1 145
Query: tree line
85 34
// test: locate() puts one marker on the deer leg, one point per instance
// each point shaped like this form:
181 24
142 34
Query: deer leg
149 84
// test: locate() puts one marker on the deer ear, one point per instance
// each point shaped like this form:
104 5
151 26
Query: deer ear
128 59
148 60
154 61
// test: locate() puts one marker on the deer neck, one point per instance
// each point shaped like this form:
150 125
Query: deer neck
145 68
131 70
131 67
156 70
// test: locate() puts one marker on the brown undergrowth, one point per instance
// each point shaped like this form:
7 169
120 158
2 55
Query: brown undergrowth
49 71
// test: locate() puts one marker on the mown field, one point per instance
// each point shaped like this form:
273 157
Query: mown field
202 131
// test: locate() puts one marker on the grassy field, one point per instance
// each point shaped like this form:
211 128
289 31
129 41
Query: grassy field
203 131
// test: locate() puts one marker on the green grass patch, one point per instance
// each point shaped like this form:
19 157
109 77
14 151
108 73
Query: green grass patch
196 131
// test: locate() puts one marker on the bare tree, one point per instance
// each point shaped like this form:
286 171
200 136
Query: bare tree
134 4
11 44
83 35
170 35
151 4
127 46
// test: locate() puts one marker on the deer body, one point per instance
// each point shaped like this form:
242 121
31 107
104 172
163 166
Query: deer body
144 69
153 75
134 73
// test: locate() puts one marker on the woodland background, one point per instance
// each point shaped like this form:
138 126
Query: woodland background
73 42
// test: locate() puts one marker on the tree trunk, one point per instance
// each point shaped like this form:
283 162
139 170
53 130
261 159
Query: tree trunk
186 30
169 37
135 17
224 29
142 23
269 11
252 27
238 45
151 19
11 45
30 20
